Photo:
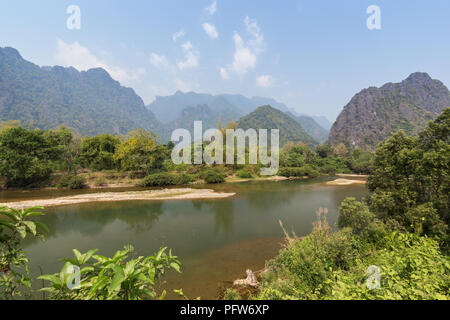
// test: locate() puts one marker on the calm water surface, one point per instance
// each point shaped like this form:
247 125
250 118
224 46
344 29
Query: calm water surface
216 240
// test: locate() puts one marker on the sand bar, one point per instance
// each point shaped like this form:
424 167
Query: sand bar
151 195
345 182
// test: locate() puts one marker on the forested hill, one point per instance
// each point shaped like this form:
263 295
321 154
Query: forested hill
375 113
90 102
171 108
266 117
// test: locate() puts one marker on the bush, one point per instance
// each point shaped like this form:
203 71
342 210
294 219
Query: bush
72 182
307 170
244 174
214 176
100 182
355 215
165 179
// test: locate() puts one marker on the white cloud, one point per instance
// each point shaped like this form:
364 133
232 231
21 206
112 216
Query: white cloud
79 57
210 30
211 10
246 53
244 58
191 57
265 81
177 35
224 74
158 61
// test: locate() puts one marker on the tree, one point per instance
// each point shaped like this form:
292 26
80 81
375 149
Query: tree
413 171
69 146
341 150
26 157
98 152
140 152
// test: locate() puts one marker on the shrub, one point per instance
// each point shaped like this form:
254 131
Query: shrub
355 215
307 170
165 179
244 174
100 182
214 176
72 182
290 172
183 179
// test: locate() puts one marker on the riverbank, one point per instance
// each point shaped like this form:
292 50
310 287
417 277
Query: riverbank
345 182
152 195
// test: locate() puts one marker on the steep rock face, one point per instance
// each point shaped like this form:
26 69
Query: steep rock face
375 113
90 102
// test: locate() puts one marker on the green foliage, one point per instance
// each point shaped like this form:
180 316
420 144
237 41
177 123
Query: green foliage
165 179
305 171
140 152
26 157
97 152
213 176
266 117
244 174
355 215
117 278
334 266
72 182
412 268
231 295
15 225
410 172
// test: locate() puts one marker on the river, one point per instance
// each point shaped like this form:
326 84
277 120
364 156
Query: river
216 240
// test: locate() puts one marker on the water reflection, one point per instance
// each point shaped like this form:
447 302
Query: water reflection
195 230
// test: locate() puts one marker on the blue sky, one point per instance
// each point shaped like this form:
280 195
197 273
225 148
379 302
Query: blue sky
313 55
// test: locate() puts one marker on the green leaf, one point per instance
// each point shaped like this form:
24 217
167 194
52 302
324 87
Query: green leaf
22 231
31 226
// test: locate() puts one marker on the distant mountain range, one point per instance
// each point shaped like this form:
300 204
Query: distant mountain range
181 109
90 102
375 113
228 106
266 117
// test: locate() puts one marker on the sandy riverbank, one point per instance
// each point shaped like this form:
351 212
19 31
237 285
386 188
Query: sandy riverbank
345 182
153 195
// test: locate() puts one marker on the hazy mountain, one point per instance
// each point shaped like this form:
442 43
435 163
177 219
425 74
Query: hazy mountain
375 113
322 121
266 117
209 117
169 108
316 131
90 102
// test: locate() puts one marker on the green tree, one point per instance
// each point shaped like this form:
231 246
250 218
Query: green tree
413 171
140 152
98 152
26 157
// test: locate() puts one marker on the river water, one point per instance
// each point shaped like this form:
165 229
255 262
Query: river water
216 240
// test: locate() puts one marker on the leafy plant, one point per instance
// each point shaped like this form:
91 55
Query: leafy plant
117 278
15 225
72 182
